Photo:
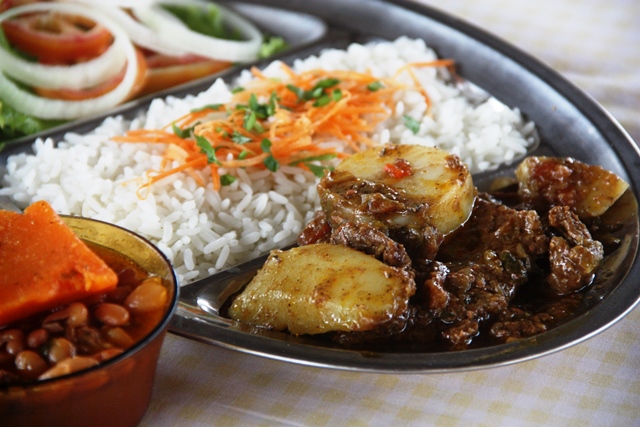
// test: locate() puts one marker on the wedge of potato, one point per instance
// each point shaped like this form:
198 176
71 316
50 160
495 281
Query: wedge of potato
323 287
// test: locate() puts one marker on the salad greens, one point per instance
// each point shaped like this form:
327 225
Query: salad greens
14 124
209 23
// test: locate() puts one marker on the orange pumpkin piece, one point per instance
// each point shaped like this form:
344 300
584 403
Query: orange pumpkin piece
43 264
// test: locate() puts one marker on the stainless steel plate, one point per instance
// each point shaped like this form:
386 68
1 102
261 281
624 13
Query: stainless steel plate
569 123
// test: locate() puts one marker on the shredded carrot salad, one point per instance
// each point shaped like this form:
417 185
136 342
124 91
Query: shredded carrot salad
272 122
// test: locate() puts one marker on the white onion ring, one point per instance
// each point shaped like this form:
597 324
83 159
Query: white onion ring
57 109
140 34
77 76
172 30
117 3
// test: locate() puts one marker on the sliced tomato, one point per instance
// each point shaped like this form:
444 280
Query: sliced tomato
168 71
101 89
54 38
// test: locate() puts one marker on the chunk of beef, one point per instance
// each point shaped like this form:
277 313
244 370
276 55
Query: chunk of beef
574 256
345 198
317 230
372 241
481 267
516 322
496 227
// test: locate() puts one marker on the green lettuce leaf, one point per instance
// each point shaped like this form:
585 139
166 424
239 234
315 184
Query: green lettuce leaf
14 124
209 22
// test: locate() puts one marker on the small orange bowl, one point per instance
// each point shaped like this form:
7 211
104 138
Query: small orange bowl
117 391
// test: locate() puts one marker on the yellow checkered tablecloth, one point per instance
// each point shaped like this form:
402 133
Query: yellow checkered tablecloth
596 45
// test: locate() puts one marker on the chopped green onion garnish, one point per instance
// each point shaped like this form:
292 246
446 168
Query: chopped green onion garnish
181 133
207 107
319 158
411 123
206 148
271 163
318 170
326 83
239 138
265 145
374 86
250 120
322 101
227 179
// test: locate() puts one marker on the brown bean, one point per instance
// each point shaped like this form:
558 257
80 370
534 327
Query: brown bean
11 335
15 346
78 315
118 295
68 366
13 340
149 296
60 349
119 337
112 314
56 316
30 363
52 327
37 337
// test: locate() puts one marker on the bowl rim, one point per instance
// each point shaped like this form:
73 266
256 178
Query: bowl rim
157 330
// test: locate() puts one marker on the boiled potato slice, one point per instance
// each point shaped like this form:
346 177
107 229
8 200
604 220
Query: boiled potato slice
435 185
589 190
323 287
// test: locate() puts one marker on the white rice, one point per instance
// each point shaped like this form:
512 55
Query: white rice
202 231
